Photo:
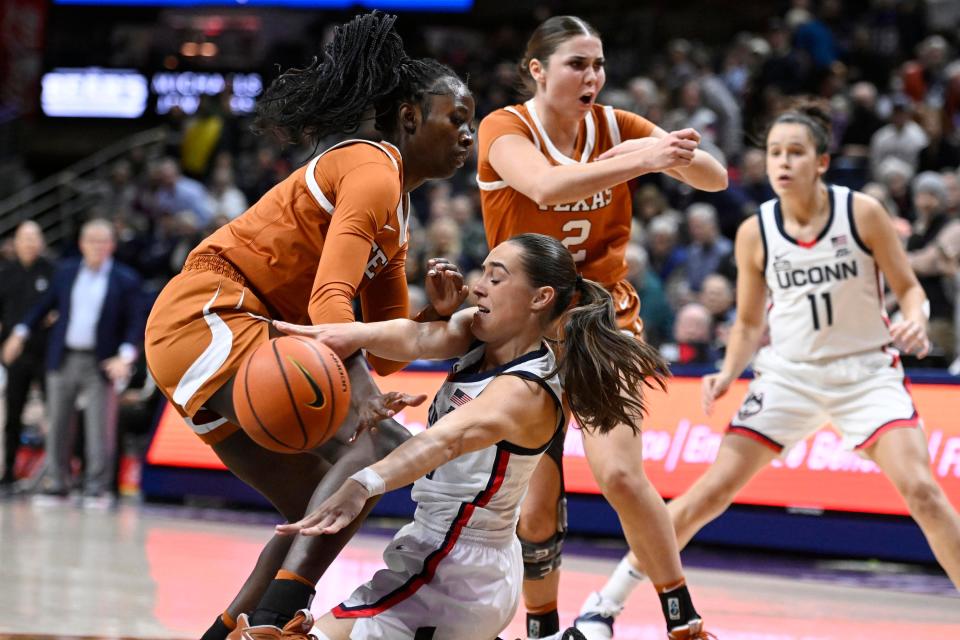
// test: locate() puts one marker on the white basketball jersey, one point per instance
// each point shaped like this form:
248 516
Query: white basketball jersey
826 296
482 491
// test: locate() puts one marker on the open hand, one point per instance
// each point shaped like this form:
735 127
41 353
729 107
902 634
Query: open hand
345 338
714 386
334 514
386 405
910 336
444 285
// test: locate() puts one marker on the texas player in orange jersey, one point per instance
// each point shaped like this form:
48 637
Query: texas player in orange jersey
331 231
558 165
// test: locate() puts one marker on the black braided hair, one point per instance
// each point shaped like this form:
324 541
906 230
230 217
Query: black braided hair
364 65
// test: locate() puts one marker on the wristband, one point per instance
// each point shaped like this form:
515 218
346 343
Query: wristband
926 309
371 481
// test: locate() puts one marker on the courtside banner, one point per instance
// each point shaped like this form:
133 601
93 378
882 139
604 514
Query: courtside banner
679 442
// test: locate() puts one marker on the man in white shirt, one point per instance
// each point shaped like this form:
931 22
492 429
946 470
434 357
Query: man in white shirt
90 351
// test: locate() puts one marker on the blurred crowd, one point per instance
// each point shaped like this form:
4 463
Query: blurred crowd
889 70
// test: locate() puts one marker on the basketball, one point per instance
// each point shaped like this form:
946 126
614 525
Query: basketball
291 394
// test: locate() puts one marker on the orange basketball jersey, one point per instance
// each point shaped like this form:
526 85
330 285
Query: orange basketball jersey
595 229
298 246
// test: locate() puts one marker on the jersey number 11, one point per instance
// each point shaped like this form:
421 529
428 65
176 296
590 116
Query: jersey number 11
828 307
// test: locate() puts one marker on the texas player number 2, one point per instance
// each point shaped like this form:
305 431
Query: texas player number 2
580 230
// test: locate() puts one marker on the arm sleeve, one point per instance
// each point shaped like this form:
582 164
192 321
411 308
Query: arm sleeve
386 298
633 126
365 196
497 124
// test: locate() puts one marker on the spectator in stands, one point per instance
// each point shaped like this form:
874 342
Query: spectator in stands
930 202
666 256
717 296
224 198
718 98
708 248
266 170
941 152
951 180
648 203
202 135
902 138
693 335
473 239
753 181
895 175
645 97
690 111
863 122
176 192
655 311
23 281
91 350
443 240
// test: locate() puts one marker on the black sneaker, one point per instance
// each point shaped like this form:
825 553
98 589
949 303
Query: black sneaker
573 634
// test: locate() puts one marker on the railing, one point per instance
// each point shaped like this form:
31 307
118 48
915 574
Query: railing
56 201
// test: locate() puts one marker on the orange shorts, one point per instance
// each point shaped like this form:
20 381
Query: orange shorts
202 326
626 303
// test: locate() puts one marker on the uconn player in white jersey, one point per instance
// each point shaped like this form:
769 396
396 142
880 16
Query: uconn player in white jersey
811 264
456 571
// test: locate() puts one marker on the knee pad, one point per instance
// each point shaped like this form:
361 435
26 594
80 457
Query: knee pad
540 559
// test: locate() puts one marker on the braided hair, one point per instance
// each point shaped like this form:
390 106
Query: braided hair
363 66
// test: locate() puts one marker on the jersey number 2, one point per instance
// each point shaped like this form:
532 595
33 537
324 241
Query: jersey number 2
582 230
828 308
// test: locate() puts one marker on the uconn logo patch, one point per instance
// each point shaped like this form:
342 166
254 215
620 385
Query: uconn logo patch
751 406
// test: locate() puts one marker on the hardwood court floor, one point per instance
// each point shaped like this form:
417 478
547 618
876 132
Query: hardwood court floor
148 572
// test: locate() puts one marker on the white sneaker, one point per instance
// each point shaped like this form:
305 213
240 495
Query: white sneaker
596 617
99 502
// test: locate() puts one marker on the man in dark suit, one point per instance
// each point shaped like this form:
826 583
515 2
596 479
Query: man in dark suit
91 350
23 282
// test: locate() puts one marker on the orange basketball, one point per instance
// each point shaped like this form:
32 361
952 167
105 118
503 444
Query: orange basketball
291 394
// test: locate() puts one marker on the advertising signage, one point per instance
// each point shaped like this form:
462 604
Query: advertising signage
679 442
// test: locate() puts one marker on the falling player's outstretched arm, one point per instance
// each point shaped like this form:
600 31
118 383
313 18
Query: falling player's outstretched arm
510 408
400 339
878 234
750 322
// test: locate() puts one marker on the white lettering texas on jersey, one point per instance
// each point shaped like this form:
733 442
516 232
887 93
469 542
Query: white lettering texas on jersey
826 296
482 490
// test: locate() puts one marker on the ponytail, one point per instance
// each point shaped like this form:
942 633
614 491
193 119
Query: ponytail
603 368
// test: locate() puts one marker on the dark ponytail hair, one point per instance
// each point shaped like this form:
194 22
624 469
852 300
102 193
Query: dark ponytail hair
603 369
363 66
812 113
547 38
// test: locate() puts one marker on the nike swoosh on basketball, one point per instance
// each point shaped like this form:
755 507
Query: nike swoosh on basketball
318 400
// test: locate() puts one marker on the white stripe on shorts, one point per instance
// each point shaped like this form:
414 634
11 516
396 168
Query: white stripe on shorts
210 360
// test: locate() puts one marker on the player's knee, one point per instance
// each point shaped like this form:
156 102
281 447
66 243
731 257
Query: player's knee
537 525
540 559
619 483
923 496
541 541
